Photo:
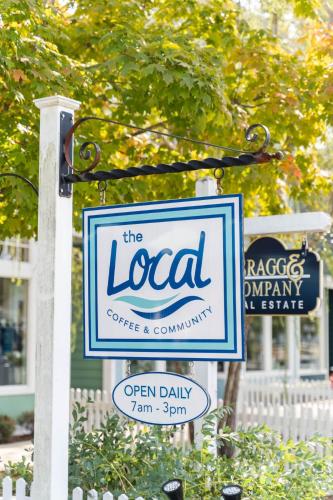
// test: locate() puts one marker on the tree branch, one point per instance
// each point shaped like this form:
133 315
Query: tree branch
250 106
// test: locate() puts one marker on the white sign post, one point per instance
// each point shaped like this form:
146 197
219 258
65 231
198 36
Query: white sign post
205 372
119 306
53 310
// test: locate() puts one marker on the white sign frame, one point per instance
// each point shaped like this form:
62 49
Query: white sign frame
226 345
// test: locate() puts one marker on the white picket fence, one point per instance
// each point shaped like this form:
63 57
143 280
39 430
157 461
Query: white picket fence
297 409
78 494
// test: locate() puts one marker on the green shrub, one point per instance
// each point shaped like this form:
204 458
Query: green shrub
7 427
26 420
20 469
111 458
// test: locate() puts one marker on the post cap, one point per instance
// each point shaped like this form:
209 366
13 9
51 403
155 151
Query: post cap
57 100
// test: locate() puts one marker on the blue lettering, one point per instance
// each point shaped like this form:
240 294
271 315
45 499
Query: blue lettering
142 259
154 264
172 393
128 390
163 391
111 288
144 267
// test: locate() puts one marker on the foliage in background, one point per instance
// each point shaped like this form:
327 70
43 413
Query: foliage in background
27 420
199 69
31 66
77 320
268 469
7 427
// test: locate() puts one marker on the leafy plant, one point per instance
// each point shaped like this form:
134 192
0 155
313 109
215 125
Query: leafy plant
117 458
23 469
7 427
26 419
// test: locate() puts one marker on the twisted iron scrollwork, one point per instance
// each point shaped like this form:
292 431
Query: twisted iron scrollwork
84 153
252 136
245 157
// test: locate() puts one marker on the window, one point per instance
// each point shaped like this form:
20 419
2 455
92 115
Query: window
255 351
14 250
138 366
279 343
310 355
13 331
221 366
176 366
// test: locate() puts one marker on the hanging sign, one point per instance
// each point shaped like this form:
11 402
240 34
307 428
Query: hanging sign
161 398
164 280
280 281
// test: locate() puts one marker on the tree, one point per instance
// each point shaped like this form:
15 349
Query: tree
194 68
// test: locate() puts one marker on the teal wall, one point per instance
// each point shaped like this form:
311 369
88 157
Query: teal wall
15 405
85 373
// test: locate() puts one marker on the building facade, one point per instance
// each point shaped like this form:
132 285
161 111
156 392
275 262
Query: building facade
278 347
17 326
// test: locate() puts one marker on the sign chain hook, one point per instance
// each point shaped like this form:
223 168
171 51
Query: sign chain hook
102 187
219 174
128 367
305 246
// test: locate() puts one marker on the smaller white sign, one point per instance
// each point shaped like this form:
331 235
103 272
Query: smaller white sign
161 398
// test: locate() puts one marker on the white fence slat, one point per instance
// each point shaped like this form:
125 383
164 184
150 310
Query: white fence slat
108 496
77 494
7 487
20 489
92 495
98 414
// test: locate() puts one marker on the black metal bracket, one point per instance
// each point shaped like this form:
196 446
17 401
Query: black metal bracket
173 168
244 158
305 247
22 178
66 122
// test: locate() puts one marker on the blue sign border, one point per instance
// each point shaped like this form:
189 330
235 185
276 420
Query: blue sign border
154 214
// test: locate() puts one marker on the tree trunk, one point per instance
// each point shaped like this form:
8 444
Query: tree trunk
230 399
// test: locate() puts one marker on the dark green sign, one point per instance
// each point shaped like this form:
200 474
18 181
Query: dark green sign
280 281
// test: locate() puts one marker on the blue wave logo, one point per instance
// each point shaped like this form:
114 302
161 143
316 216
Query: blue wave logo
150 304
